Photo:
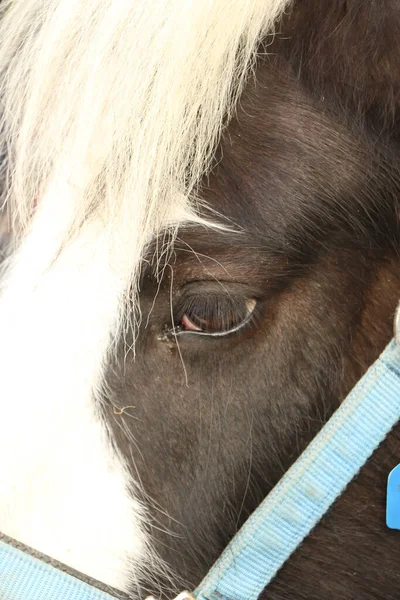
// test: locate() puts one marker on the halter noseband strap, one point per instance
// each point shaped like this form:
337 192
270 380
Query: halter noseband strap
282 521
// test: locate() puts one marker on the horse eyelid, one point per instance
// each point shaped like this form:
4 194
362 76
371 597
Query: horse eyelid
175 331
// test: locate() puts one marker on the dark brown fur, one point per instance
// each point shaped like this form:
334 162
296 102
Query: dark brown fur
309 170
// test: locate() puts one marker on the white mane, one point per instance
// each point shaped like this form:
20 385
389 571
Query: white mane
110 114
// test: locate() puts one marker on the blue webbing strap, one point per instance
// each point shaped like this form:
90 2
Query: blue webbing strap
307 490
24 577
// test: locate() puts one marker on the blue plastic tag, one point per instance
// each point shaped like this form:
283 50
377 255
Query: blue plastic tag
393 499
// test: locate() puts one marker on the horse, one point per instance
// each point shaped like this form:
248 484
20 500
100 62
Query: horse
203 201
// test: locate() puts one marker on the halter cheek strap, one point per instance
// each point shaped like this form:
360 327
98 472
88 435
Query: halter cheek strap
309 488
282 521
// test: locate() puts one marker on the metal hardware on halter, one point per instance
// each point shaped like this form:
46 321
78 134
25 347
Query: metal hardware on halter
396 325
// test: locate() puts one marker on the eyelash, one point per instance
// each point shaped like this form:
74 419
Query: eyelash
227 315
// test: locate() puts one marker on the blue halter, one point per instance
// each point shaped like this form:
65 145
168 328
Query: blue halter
282 521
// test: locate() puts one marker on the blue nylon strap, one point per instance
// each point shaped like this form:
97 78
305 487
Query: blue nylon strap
307 490
24 577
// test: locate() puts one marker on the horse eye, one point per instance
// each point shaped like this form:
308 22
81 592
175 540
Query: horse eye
214 315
